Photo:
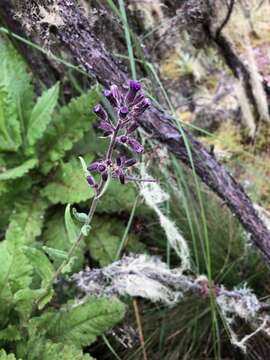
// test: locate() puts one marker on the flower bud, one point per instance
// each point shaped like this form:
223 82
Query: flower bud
104 176
116 94
118 161
91 181
130 162
100 112
123 139
122 178
140 108
92 167
101 168
134 87
109 96
135 145
105 126
123 112
132 127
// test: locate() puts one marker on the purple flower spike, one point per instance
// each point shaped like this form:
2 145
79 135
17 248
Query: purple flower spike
135 145
140 108
123 112
109 96
100 112
134 87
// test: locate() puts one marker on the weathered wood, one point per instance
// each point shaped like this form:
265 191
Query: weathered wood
88 51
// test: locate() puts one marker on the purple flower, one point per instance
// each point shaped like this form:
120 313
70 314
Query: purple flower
91 182
105 126
93 166
130 162
101 167
134 87
100 112
123 112
132 127
122 139
140 108
116 94
109 96
135 145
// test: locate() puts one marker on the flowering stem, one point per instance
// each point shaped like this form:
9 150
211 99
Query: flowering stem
90 215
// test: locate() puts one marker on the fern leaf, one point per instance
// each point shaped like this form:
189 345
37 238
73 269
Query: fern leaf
41 114
18 171
69 185
81 325
68 127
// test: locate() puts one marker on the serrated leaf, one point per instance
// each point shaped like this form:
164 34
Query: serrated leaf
15 274
81 325
40 263
41 114
10 333
5 356
10 138
68 127
26 221
69 185
55 236
18 171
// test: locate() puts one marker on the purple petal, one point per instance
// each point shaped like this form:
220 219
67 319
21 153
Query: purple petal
123 112
130 162
134 87
109 96
132 127
135 145
100 112
140 108
105 126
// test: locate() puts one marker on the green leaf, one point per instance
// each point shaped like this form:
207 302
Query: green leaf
15 274
118 198
40 263
69 185
105 237
56 237
18 171
5 356
16 77
41 114
72 229
26 221
68 127
10 138
10 333
81 325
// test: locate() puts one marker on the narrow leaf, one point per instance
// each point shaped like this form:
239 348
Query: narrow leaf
41 114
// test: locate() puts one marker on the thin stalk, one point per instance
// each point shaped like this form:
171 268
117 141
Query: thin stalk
90 215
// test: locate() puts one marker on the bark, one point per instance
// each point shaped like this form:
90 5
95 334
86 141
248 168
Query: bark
89 52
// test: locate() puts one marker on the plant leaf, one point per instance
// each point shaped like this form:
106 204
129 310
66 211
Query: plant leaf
69 186
5 356
81 325
72 229
68 127
26 221
41 114
10 138
18 171
40 263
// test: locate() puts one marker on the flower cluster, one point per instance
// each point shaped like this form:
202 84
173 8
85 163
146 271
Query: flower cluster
128 108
